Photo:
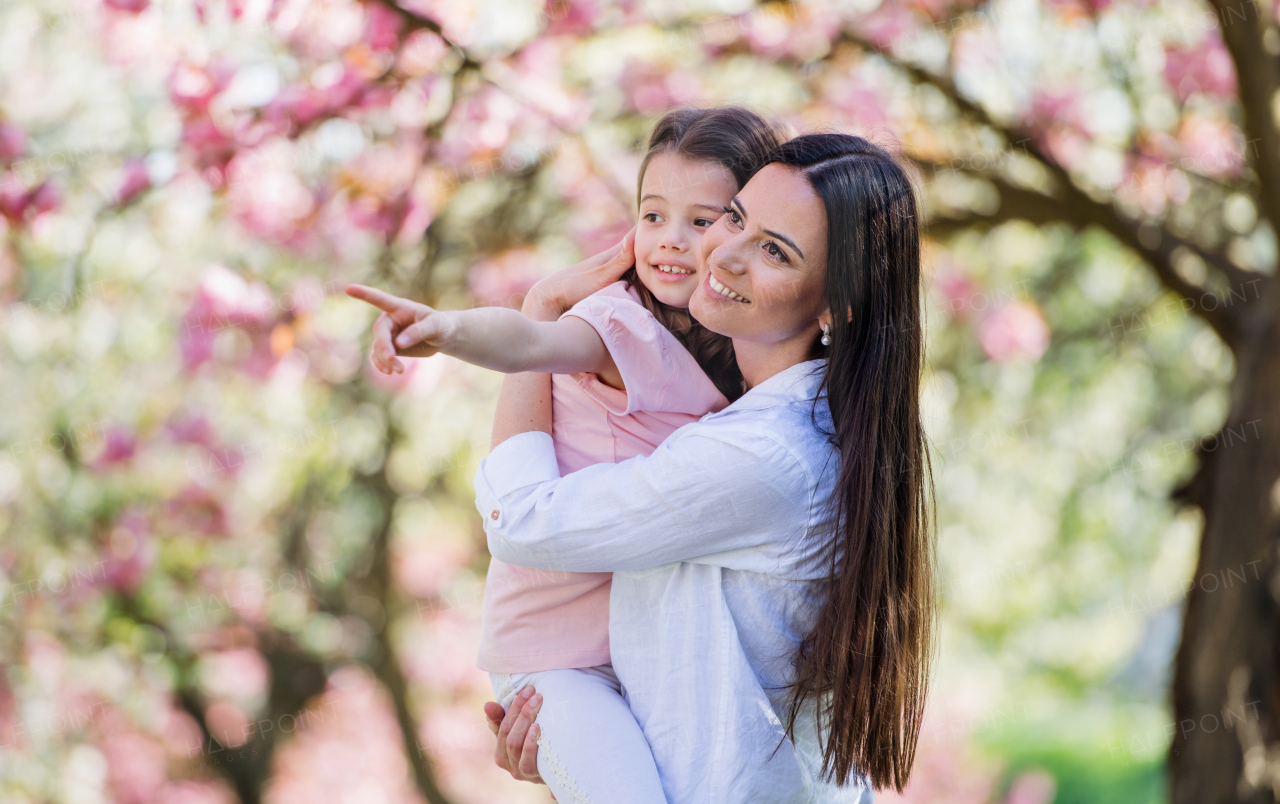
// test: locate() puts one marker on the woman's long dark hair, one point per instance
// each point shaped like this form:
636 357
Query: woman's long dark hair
741 141
866 661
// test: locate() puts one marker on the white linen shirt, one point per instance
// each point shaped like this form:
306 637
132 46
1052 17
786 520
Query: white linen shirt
718 550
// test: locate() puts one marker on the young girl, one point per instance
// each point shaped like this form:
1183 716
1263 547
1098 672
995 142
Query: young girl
630 366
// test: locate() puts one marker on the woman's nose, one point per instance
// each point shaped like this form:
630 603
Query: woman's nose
727 257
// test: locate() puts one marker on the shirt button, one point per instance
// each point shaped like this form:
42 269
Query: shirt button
494 515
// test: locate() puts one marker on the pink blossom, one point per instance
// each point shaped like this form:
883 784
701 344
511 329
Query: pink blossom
14 198
958 290
421 52
195 509
191 87
346 746
130 6
947 769
383 31
1212 147
13 142
423 567
45 198
296 106
1052 108
345 91
130 551
181 736
120 448
188 791
191 430
571 17
265 196
1033 787
133 183
648 88
503 280
228 723
135 765
445 656
888 23
239 673
223 299
1014 331
861 101
1205 68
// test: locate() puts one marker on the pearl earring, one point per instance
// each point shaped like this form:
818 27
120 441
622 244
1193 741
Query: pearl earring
826 334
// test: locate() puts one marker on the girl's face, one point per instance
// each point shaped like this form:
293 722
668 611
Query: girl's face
679 200
764 262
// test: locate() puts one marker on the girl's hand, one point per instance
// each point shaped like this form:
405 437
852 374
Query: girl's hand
552 295
417 330
517 750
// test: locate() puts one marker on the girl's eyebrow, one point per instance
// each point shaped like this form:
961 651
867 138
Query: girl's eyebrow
651 195
716 207
743 212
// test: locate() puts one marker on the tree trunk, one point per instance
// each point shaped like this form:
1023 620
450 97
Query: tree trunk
1224 689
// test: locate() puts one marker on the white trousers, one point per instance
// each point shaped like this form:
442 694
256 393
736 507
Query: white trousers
590 750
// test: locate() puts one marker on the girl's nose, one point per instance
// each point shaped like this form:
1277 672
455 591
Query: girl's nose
674 238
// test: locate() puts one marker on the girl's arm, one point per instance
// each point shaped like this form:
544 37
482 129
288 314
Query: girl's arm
496 338
559 292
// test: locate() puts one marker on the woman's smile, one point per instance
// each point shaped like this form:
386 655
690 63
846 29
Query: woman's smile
717 290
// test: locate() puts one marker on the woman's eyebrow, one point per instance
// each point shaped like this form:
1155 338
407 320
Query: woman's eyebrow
743 212
786 240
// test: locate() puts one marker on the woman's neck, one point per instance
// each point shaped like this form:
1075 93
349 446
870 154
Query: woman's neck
760 361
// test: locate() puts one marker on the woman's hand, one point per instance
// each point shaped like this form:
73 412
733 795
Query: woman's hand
552 295
405 328
517 750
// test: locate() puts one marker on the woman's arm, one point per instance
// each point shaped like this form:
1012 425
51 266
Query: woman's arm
713 493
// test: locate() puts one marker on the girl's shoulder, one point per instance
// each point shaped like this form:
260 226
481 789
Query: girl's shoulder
619 291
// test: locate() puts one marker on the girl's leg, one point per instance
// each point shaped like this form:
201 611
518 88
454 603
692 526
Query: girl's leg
591 750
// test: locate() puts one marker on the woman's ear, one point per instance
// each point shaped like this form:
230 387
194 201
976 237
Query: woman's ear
850 314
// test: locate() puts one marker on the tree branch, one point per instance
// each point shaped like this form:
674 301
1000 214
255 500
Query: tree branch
1018 203
1076 207
1258 81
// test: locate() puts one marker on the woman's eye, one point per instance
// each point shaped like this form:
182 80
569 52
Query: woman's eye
775 252
733 216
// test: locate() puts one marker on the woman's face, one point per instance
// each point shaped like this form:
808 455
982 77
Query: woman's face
764 262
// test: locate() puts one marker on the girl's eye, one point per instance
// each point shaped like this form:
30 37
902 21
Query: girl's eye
653 217
703 223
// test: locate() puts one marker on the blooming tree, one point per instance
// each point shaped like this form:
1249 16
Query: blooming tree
242 565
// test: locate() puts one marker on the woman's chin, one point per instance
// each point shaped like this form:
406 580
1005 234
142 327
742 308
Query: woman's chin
709 314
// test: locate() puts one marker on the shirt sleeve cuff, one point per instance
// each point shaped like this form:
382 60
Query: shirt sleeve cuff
522 460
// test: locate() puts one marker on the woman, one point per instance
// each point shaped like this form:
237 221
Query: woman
771 617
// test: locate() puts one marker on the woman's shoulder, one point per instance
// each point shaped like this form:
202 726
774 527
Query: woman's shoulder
777 434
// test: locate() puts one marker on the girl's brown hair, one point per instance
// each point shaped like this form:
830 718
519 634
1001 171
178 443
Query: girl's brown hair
741 141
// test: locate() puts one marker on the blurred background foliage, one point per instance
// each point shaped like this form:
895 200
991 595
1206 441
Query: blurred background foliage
238 564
